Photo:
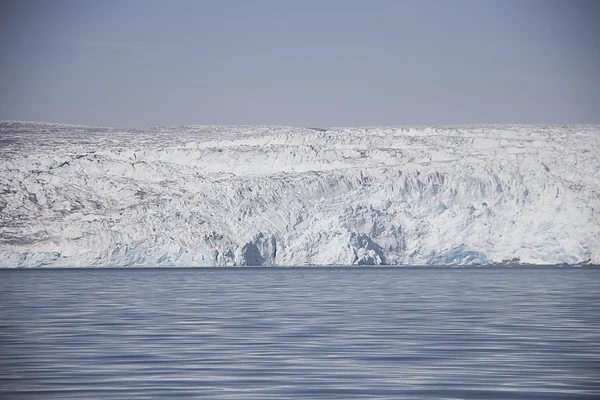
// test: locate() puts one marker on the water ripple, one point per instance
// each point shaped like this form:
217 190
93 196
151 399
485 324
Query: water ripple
300 333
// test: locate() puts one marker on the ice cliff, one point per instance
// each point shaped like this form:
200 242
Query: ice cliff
255 195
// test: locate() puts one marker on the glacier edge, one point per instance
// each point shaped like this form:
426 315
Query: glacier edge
211 195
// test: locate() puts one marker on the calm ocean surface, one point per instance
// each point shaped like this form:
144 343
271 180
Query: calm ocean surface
261 333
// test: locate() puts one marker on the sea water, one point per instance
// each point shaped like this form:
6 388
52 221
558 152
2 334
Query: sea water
260 333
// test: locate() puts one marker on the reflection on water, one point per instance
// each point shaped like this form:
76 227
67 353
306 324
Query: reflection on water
428 333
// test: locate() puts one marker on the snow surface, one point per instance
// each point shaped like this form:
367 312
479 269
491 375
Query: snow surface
259 195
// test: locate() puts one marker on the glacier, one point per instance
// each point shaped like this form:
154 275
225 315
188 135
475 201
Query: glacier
74 196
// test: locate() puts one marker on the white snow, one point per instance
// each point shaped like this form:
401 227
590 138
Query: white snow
248 195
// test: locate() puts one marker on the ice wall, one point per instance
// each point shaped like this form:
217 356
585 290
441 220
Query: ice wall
209 195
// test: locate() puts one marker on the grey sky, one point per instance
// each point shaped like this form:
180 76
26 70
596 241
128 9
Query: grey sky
302 63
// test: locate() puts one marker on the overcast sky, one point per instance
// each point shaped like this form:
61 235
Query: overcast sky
302 63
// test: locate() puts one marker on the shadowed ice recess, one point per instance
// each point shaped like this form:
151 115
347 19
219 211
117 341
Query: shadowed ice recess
248 195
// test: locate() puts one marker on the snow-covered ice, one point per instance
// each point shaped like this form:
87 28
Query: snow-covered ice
258 195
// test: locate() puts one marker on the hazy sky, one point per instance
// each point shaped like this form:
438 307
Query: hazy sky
303 63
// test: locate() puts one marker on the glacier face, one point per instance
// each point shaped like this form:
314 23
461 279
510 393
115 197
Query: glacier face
248 195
